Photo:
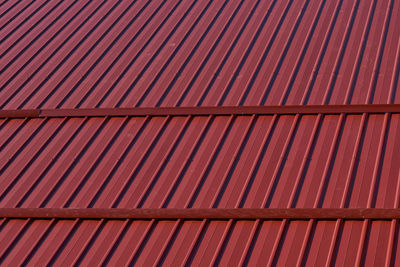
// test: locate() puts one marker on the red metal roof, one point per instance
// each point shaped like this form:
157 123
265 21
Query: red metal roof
137 53
197 242
83 124
201 161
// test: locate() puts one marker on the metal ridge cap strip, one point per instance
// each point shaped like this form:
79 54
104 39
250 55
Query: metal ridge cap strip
202 111
20 113
211 213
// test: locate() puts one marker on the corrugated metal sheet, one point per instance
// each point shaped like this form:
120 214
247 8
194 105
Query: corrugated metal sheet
174 243
136 53
201 161
187 53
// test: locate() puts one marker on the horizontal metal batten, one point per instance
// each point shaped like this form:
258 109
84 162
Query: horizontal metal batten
203 111
213 213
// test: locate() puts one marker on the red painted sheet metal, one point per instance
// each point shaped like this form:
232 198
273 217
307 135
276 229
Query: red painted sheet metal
202 111
93 242
279 161
204 213
138 53
187 53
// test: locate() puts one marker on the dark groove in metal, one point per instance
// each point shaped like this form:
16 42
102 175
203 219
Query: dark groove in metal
41 34
25 20
16 15
59 65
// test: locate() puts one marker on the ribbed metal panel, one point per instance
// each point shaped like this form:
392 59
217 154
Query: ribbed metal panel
174 243
188 53
182 162
278 161
177 53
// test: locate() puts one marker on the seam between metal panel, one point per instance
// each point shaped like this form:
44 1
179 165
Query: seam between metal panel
202 111
202 213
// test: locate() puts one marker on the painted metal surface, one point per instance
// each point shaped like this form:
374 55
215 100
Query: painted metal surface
174 243
193 213
90 54
277 161
202 111
126 54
